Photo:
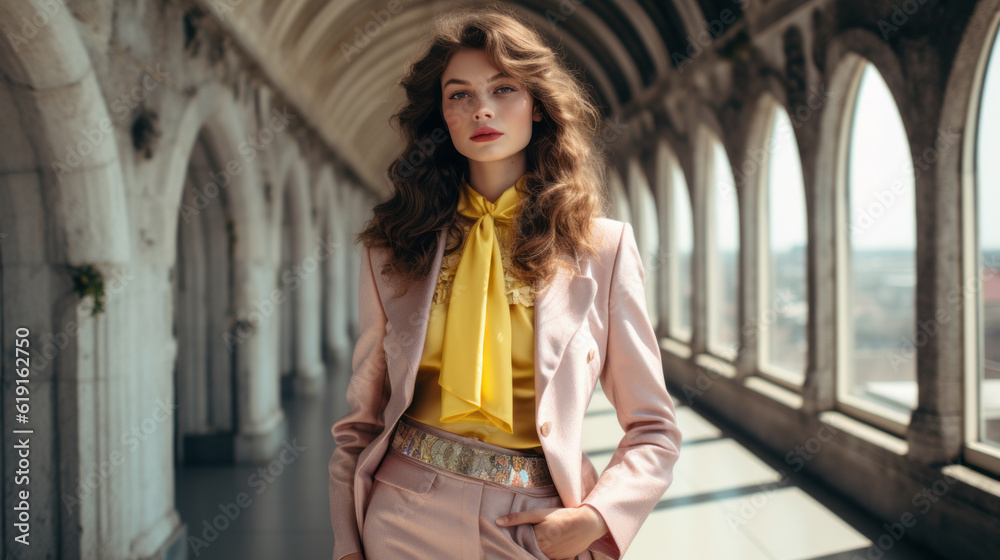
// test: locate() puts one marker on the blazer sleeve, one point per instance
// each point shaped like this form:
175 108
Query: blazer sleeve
641 468
367 394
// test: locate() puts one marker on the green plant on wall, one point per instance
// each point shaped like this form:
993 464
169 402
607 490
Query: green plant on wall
87 280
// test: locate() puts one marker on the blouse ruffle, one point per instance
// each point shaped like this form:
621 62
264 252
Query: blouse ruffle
517 292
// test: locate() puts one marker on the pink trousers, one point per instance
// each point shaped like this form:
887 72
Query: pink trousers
419 511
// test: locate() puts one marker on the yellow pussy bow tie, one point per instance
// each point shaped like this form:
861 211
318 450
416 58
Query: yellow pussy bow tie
476 373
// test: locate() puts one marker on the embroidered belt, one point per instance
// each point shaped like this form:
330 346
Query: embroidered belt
454 456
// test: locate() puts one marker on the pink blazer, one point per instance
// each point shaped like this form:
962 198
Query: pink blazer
591 327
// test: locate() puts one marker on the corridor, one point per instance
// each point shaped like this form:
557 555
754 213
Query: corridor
729 499
810 185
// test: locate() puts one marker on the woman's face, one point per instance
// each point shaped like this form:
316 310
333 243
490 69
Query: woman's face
474 96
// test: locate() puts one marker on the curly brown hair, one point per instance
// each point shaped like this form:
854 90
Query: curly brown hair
566 164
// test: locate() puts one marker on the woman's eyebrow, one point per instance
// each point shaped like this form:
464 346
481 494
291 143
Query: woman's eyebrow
465 83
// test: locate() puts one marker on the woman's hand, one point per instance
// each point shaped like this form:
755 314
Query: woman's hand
561 532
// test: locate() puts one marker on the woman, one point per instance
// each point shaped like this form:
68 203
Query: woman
493 297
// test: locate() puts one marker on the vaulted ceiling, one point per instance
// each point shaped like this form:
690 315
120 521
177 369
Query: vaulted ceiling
338 60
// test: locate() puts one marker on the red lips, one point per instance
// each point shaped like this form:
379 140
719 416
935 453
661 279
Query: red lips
486 132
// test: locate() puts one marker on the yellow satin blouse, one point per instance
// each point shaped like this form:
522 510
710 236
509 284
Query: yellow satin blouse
426 406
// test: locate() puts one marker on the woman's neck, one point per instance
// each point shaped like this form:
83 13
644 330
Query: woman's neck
492 178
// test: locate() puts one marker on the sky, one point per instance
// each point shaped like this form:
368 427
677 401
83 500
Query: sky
787 200
879 171
988 155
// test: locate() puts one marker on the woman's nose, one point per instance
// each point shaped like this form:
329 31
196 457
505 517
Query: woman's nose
483 112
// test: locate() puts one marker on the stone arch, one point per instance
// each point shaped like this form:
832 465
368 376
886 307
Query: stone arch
618 197
359 82
64 210
704 128
665 161
954 174
846 54
642 210
357 202
80 174
214 116
846 57
336 299
294 240
760 145
749 174
202 290
704 120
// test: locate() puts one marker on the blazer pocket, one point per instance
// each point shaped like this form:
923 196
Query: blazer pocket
406 476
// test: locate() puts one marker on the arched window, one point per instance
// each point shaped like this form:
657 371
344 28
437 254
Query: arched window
642 207
877 337
987 173
723 255
784 304
680 285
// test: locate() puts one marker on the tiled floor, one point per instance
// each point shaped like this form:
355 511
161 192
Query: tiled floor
725 502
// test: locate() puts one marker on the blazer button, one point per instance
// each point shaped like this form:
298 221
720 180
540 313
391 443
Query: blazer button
545 429
590 356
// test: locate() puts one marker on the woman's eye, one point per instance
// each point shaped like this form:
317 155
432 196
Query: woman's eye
499 89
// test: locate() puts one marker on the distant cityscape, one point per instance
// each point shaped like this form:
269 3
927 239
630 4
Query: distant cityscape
885 338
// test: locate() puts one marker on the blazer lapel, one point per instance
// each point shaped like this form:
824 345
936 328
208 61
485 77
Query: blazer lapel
407 315
560 309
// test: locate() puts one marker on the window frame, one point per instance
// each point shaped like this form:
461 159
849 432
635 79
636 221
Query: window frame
772 372
713 346
882 417
668 158
975 452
